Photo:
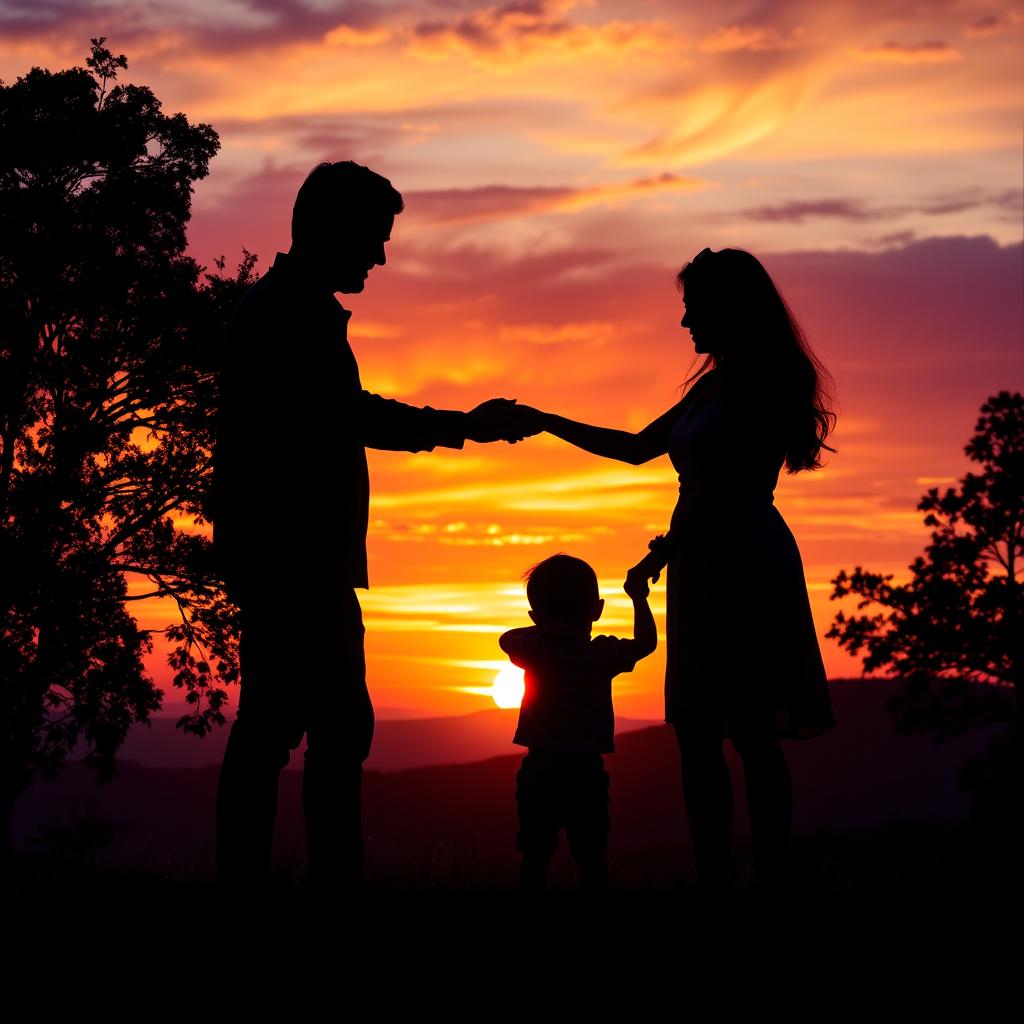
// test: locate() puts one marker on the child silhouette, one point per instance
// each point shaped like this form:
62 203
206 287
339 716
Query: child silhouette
566 719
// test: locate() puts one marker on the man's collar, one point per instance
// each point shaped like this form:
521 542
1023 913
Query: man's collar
287 267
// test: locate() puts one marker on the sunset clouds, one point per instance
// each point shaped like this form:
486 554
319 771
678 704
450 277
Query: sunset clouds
659 86
559 160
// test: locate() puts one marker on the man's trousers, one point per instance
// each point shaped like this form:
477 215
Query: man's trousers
303 672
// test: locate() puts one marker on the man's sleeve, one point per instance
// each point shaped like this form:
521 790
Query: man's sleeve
394 426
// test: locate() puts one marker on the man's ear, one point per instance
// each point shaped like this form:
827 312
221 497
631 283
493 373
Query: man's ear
598 609
533 617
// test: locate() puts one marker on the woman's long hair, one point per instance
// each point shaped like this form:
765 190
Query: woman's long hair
763 342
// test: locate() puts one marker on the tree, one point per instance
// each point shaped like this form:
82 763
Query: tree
954 631
109 341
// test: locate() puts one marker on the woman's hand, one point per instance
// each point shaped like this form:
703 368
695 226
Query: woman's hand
502 419
648 568
533 420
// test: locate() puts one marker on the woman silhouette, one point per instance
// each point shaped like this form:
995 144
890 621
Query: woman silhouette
743 658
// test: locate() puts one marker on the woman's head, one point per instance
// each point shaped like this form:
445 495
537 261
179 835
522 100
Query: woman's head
733 310
740 322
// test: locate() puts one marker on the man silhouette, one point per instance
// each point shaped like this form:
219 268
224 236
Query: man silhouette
291 495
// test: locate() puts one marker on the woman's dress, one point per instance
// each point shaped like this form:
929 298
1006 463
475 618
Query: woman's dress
740 638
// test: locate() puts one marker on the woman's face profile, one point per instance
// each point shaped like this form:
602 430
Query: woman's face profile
693 321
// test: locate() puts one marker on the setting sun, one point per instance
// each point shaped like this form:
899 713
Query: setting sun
508 687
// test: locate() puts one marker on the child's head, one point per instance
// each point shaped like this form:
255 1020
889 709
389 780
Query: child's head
563 589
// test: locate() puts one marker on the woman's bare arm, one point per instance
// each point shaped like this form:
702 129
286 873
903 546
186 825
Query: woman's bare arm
621 445
610 444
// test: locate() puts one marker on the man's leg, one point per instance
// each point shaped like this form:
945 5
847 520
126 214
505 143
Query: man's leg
340 730
266 729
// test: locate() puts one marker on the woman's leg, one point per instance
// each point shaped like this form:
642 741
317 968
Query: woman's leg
769 800
707 791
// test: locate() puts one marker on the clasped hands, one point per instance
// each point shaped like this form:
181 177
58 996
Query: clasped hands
648 568
501 419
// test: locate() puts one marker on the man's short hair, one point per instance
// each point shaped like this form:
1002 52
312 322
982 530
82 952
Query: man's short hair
562 589
334 194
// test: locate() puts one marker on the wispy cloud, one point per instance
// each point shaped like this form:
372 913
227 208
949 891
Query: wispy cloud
534 31
996 24
598 332
493 202
207 25
1008 200
754 38
930 52
711 120
612 488
797 211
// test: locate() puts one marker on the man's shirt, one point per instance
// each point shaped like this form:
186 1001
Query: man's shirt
291 487
567 706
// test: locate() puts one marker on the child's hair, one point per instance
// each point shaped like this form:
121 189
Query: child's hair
562 588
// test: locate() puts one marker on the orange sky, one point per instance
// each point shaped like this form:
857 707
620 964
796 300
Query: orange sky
559 161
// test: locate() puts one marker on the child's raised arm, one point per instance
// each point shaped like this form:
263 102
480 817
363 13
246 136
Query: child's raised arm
519 644
645 632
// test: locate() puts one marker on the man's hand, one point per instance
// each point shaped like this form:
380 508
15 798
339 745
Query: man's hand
500 419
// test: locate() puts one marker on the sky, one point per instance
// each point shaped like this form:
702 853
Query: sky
559 161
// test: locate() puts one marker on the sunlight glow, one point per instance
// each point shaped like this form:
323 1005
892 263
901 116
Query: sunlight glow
508 687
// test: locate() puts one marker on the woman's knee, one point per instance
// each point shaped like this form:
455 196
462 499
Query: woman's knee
699 743
756 741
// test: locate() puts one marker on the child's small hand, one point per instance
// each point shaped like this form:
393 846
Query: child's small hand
636 584
648 568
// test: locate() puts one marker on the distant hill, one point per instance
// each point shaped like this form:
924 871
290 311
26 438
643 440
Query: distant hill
860 775
398 744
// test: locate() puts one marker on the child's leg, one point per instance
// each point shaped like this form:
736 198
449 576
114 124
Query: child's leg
538 820
588 821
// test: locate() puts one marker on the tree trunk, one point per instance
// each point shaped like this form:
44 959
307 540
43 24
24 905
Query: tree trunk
7 834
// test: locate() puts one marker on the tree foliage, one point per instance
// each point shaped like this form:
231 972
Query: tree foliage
954 632
109 342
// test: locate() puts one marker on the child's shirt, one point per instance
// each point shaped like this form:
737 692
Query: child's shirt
567 705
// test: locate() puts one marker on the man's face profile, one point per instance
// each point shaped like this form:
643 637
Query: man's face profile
356 249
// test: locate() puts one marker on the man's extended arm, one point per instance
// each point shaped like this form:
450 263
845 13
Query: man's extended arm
392 425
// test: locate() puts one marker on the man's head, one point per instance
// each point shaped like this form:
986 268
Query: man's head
342 217
563 589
